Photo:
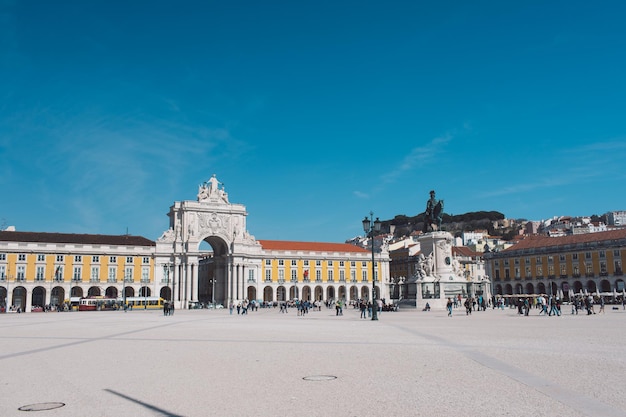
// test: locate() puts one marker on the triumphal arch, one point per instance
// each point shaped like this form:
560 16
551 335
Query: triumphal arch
191 270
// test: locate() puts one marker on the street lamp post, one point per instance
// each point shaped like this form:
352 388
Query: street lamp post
372 229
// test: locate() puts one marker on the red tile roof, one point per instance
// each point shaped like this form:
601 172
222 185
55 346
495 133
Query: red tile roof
465 251
83 239
310 246
533 242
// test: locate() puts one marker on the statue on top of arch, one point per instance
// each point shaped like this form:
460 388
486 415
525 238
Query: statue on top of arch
210 191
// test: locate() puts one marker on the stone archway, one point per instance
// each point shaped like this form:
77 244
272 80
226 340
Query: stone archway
57 295
605 286
306 293
77 292
281 294
93 292
166 293
530 289
319 293
541 288
591 286
111 292
268 294
354 293
330 293
18 300
365 293
144 292
251 293
39 297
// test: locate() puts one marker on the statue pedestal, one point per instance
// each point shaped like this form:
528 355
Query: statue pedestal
440 275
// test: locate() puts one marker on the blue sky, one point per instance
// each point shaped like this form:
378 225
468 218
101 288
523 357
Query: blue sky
312 114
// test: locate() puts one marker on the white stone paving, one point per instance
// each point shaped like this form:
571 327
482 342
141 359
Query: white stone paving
409 363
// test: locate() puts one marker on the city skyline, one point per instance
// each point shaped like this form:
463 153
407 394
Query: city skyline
311 114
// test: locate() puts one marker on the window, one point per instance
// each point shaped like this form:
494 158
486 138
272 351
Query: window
353 275
3 256
60 258
3 272
39 273
517 273
251 275
550 259
306 263
330 275
527 261
330 263
618 267
128 274
538 259
575 256
281 262
294 275
268 275
294 262
95 259
78 258
516 261
145 260
341 264
528 273
496 262
281 275
77 276
576 271
113 259
318 263
342 275
506 262
603 268
41 258
363 264
112 274
268 262
589 269
21 272
539 271
507 273
21 257
58 273
551 270
364 275
95 274
145 274
562 258
129 259
318 276
587 255
352 264
602 254
563 271
616 253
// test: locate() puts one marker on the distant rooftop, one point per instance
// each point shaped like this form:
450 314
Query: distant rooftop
75 238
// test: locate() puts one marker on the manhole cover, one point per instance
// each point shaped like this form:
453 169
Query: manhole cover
41 406
319 378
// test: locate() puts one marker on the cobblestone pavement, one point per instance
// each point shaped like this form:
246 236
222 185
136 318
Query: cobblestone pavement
408 363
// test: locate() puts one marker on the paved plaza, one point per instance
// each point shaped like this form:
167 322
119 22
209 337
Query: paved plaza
409 363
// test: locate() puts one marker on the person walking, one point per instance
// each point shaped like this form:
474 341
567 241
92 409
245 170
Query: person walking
363 308
449 307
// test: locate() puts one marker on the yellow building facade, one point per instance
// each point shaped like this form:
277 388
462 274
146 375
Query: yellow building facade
564 266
